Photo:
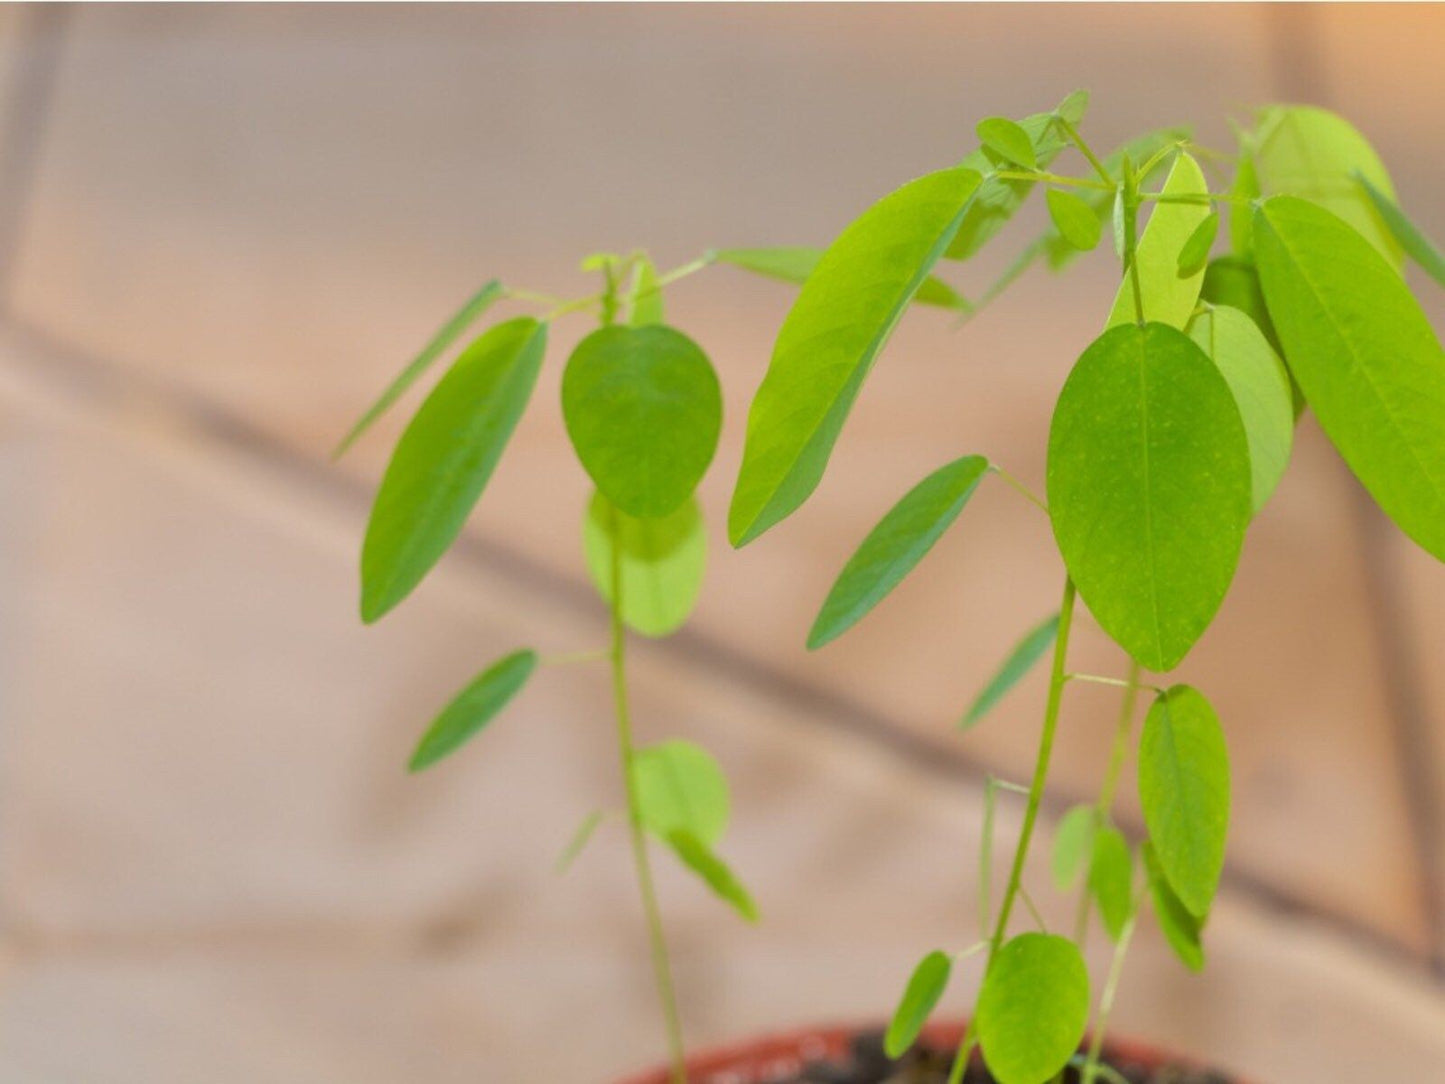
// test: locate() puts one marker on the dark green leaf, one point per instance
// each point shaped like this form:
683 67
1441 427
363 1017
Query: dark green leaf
1149 488
1233 281
1365 355
841 319
1005 138
663 562
1195 253
925 987
900 540
699 857
1184 790
1020 660
1111 879
1033 1008
462 319
643 409
1416 245
1181 929
1075 220
1169 296
444 459
474 708
1073 845
795 263
680 788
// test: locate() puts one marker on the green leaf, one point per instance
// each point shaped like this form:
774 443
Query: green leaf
1005 138
1233 281
1020 660
644 410
1111 879
1195 253
700 858
841 319
1033 1008
1365 355
1184 790
1261 387
900 540
1073 846
462 319
1241 215
1416 245
795 263
444 459
474 707
1074 219
680 788
579 840
1181 929
925 987
1315 154
663 561
1169 296
1149 488
645 296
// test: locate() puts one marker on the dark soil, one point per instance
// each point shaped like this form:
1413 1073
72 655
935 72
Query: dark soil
922 1065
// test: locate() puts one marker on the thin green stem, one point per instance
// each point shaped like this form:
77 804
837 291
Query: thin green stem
1078 141
661 965
581 303
1031 811
1018 485
1131 239
1050 178
1116 683
1111 989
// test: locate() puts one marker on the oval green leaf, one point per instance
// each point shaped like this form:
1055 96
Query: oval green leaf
1169 296
702 860
444 460
1184 790
1365 356
1233 281
1261 387
680 788
1020 661
1416 245
1073 846
1076 221
663 562
1008 140
794 263
895 546
1033 1008
1195 253
1111 879
644 410
474 707
1181 929
920 997
841 319
1149 488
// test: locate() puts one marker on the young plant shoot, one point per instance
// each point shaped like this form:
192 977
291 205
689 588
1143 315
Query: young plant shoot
1167 439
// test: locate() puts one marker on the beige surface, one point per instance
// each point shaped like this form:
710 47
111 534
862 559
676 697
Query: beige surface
243 218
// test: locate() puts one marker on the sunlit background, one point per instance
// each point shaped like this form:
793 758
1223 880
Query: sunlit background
222 229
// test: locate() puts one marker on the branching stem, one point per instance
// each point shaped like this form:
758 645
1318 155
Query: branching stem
1051 178
1078 141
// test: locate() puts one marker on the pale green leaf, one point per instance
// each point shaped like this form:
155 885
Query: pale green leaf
841 319
920 997
1261 387
1184 791
1073 846
462 319
1149 488
1365 356
795 263
1111 879
701 859
1195 253
1074 219
644 295
644 410
1416 245
1169 296
1033 1008
1008 140
1181 929
680 788
444 460
580 838
474 707
895 546
663 561
1020 660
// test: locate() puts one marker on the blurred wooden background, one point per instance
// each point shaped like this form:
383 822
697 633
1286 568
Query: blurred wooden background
223 228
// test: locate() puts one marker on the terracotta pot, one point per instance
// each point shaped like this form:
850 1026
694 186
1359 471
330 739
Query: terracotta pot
775 1056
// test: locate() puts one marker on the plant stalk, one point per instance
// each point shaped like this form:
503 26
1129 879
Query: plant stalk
1111 989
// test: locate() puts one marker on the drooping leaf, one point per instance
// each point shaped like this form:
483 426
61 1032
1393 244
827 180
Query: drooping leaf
1195 253
926 985
444 459
663 561
1111 879
1241 215
474 707
1169 296
1181 929
580 838
1008 140
1073 846
462 319
1074 219
895 546
1416 245
794 263
1149 488
1315 154
1184 790
841 319
681 789
1033 1008
1261 388
701 859
1020 660
644 410
1364 353
645 296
